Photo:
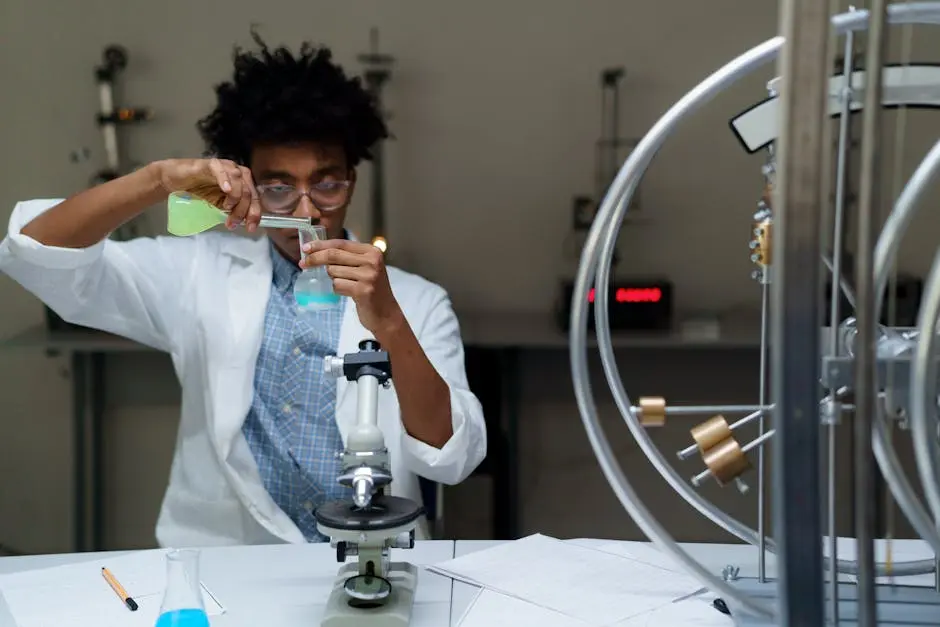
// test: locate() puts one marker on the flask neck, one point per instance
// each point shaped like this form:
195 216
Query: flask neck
183 590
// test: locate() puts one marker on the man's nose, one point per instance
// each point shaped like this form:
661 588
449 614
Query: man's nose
306 208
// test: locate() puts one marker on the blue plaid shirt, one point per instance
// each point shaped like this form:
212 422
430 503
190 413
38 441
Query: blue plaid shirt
291 426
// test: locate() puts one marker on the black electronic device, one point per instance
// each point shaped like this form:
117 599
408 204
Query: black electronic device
633 305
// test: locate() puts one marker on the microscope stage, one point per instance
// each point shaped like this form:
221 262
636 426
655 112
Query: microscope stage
385 512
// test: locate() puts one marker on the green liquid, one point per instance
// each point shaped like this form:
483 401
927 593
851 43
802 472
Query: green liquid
188 215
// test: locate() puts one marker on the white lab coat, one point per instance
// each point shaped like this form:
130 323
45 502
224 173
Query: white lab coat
202 300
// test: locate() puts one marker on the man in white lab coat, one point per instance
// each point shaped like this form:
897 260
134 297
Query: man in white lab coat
260 423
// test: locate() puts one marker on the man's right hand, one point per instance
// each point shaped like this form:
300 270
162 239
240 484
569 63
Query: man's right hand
224 183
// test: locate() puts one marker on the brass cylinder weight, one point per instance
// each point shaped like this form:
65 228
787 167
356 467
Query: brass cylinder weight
652 411
720 451
710 432
726 461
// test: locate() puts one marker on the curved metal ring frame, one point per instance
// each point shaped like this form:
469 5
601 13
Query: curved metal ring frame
596 258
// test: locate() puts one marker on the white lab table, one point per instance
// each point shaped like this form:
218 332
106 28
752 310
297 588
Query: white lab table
280 585
287 585
713 556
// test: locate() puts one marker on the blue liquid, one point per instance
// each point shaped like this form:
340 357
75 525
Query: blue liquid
315 300
183 618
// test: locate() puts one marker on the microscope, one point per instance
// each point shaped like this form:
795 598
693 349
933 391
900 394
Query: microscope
374 591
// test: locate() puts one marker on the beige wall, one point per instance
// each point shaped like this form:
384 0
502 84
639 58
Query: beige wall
496 110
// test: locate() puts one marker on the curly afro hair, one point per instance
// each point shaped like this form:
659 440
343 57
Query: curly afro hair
276 97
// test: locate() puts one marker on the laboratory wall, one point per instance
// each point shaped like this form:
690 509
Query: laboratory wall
495 108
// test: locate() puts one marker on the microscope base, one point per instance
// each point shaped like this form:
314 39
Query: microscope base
394 612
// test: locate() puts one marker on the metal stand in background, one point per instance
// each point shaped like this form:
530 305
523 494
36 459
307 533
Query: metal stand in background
110 116
611 146
377 73
608 154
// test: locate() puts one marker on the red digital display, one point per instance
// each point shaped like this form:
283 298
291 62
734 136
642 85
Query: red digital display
633 295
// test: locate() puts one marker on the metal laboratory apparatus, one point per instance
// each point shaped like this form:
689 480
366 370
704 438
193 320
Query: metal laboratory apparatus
373 591
874 376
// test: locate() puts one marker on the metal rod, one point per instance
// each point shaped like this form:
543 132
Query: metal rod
689 451
761 514
750 446
795 294
865 398
847 290
747 419
698 410
831 519
693 449
80 479
845 116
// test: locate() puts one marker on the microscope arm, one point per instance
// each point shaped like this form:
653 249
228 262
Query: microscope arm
366 437
365 458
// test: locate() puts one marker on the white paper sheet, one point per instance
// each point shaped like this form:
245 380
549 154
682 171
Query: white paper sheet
492 609
646 553
696 611
596 587
78 595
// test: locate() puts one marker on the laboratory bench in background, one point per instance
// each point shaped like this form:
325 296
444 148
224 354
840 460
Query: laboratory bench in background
494 343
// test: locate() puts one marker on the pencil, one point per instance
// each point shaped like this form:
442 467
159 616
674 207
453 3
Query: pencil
119 589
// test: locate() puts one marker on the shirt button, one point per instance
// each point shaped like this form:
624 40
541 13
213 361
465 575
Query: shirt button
308 506
286 408
297 350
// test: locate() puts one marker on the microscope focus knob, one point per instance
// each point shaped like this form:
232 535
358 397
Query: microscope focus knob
369 345
333 366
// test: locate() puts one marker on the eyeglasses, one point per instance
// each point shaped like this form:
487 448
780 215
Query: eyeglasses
326 196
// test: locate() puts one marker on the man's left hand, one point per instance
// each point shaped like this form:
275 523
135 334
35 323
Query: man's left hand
358 271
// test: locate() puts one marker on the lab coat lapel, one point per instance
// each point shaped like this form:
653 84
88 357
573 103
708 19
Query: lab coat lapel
247 291
351 333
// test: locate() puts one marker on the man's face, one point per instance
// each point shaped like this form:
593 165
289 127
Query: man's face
303 167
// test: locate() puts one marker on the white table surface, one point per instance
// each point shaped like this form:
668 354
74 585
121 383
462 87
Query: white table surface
280 585
712 556
287 585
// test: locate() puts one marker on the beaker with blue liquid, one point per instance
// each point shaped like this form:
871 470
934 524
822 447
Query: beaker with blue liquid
313 289
182 602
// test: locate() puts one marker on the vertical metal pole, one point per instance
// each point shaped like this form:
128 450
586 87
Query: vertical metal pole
79 461
97 402
865 395
796 296
761 470
838 230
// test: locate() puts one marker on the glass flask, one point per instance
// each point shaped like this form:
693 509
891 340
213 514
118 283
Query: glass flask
313 289
187 214
182 602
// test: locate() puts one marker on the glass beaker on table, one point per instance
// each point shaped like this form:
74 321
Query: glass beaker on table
182 601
